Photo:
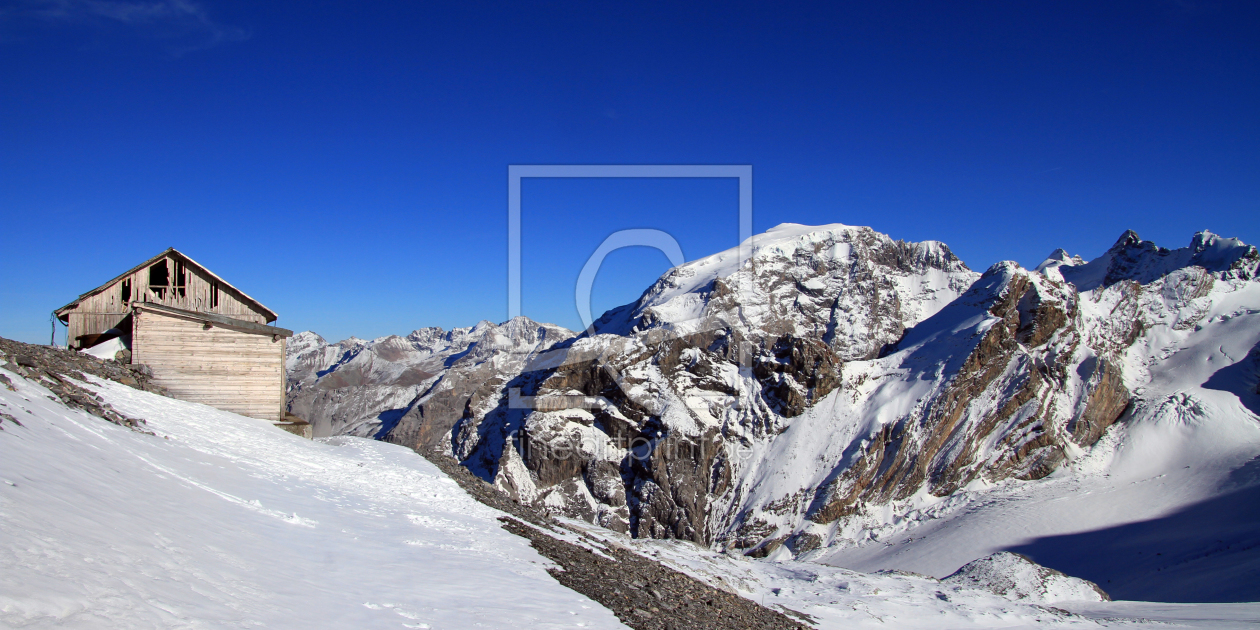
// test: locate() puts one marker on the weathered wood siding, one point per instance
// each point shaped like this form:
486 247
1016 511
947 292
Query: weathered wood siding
234 371
196 294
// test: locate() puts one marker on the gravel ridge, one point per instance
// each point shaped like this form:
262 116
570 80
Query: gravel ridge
643 593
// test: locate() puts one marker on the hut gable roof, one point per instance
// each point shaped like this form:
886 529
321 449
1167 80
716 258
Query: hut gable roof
63 312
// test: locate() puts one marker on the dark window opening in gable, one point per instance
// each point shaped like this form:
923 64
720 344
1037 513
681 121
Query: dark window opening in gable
126 290
159 278
181 278
214 295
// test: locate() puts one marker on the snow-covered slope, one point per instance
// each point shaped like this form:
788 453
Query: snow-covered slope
221 521
715 355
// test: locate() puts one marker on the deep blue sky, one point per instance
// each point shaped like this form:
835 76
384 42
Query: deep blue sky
346 163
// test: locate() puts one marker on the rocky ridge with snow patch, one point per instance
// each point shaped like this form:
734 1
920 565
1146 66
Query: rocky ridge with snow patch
1018 578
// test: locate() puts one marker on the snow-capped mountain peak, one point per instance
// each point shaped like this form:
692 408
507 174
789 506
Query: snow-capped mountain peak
1132 258
853 287
1059 258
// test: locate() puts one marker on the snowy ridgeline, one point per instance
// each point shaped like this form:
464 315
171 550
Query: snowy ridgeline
223 521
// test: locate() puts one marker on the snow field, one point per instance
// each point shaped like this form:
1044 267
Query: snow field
222 521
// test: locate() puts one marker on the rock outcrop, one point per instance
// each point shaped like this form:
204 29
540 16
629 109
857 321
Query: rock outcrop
62 371
1018 578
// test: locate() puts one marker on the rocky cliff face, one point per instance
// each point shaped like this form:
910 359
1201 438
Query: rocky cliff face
775 401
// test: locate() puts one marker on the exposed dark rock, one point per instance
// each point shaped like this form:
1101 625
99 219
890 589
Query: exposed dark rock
1108 398
766 547
804 543
798 373
644 594
671 489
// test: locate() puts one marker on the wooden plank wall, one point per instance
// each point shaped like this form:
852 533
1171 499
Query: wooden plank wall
234 371
198 288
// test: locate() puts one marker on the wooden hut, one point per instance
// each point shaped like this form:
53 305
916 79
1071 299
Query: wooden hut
205 340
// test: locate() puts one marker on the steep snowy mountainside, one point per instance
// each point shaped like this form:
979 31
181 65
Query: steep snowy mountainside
222 521
668 369
972 392
1059 258
357 387
1018 376
851 287
1153 510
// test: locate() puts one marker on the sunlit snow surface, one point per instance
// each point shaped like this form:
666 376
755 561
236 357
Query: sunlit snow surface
232 523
